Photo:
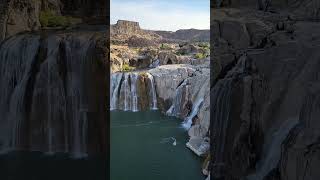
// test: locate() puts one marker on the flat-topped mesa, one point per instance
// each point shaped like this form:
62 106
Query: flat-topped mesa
125 27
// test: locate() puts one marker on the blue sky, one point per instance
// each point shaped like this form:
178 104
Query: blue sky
163 14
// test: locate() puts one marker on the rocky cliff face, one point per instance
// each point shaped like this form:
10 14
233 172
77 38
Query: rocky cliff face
23 15
17 16
123 30
53 97
129 32
301 9
265 75
186 35
125 27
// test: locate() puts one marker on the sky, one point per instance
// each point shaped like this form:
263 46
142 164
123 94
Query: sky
169 15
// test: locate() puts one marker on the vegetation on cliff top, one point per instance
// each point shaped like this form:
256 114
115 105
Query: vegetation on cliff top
127 68
200 56
50 19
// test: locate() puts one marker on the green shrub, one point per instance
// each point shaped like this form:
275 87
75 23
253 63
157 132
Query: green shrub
165 47
200 56
127 68
49 19
204 44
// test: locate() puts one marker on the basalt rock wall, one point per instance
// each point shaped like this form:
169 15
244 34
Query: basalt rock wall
263 94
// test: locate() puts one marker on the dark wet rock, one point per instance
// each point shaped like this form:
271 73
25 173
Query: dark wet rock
265 66
300 151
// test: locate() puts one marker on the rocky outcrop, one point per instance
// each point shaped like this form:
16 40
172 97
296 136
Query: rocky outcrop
135 41
23 15
183 91
167 57
130 32
18 16
54 93
125 27
265 64
301 148
300 9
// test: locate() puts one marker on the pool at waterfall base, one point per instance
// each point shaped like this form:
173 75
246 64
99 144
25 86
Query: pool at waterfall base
150 145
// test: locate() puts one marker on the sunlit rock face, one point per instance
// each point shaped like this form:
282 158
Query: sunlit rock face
125 27
53 93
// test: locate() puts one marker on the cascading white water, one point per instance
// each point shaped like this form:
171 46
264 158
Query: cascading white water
134 95
272 149
124 91
45 90
16 58
153 93
195 108
175 108
115 85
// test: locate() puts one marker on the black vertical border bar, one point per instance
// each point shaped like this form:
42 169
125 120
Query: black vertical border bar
108 134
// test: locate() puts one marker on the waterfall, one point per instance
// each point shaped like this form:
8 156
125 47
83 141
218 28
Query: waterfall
114 93
220 112
175 108
134 95
47 92
195 108
125 92
272 149
153 93
17 56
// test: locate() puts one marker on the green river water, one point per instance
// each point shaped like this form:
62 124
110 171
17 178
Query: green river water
142 148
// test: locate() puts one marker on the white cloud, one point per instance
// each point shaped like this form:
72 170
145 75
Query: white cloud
153 16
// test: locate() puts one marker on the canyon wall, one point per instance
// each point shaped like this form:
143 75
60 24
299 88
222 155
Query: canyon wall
23 15
125 27
263 91
124 30
186 35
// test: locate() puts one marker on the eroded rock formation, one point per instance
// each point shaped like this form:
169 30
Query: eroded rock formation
23 15
265 64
